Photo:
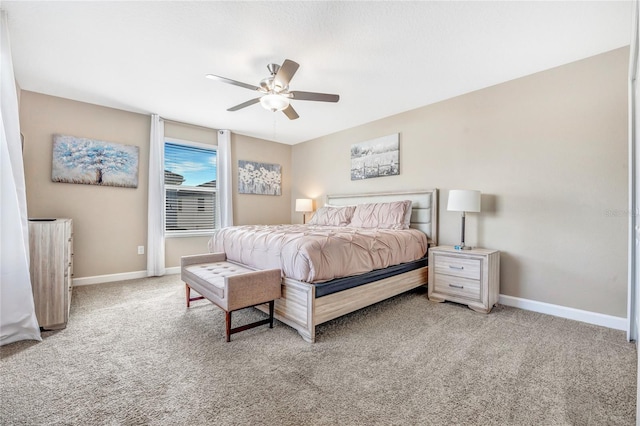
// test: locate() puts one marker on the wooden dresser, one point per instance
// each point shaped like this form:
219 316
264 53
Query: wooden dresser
51 268
470 277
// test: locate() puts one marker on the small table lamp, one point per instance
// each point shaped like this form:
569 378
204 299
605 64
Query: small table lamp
304 205
464 200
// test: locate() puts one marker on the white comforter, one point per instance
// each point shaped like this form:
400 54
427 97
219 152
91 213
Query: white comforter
318 253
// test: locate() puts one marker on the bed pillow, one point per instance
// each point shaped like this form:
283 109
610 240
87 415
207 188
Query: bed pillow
407 215
332 216
391 215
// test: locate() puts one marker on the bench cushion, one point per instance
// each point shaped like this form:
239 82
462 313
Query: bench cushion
211 275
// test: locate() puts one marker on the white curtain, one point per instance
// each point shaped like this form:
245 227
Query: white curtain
224 178
633 301
156 202
17 313
634 180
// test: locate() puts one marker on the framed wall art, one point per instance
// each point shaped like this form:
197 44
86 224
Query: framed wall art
94 162
259 178
376 157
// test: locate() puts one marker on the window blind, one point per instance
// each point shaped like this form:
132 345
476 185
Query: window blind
191 188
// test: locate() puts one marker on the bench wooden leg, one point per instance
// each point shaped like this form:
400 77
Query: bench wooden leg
271 304
188 293
231 331
228 319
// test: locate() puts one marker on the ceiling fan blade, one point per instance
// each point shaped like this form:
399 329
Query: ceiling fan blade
312 96
244 104
290 112
234 82
285 73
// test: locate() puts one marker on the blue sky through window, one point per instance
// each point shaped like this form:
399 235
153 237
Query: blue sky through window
196 165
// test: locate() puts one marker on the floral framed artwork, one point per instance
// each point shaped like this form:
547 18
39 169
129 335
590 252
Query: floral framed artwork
94 162
259 178
376 157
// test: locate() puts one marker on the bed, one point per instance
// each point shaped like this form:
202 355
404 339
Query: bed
312 295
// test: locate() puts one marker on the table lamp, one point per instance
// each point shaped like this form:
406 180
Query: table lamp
304 205
463 200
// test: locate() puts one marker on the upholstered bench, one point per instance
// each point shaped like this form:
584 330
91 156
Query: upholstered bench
230 286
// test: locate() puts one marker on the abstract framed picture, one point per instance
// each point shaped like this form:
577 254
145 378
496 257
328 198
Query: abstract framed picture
376 157
94 162
259 178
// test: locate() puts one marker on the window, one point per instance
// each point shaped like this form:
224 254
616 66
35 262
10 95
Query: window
190 175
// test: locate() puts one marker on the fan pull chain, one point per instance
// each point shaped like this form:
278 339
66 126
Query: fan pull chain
274 126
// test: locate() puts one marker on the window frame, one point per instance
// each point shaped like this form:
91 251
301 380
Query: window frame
216 216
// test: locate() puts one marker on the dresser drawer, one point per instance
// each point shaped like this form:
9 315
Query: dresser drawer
457 286
457 266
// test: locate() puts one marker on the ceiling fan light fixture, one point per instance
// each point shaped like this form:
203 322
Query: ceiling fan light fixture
274 102
274 94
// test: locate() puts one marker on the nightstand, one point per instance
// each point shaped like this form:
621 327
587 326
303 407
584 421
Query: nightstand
470 277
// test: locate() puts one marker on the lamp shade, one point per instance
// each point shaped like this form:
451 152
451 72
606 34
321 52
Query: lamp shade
304 205
274 102
464 200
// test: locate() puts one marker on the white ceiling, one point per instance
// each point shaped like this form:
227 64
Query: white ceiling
382 58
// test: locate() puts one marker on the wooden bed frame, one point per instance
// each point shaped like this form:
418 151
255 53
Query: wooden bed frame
299 308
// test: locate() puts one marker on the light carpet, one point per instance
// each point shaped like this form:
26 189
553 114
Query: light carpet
133 354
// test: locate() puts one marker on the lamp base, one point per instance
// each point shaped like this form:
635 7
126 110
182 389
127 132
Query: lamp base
462 246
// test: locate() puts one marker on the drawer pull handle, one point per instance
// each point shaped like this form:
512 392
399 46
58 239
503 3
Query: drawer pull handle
456 267
456 286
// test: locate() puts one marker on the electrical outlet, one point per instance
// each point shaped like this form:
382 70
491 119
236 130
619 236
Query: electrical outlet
140 249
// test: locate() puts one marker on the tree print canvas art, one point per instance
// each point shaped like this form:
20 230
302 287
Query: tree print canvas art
259 178
376 158
94 162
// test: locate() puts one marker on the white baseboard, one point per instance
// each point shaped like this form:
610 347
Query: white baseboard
101 279
595 318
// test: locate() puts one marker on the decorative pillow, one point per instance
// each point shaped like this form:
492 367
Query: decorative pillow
332 216
381 215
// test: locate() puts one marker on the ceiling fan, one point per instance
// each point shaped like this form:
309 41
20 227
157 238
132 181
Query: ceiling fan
274 90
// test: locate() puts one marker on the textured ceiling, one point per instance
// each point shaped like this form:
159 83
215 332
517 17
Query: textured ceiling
383 58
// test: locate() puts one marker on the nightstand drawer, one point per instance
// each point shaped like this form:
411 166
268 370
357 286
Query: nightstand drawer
457 287
457 266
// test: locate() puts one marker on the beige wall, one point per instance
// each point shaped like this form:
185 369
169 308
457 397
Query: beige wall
261 209
548 152
109 222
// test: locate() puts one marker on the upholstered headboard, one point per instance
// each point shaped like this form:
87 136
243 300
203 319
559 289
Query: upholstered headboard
424 207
